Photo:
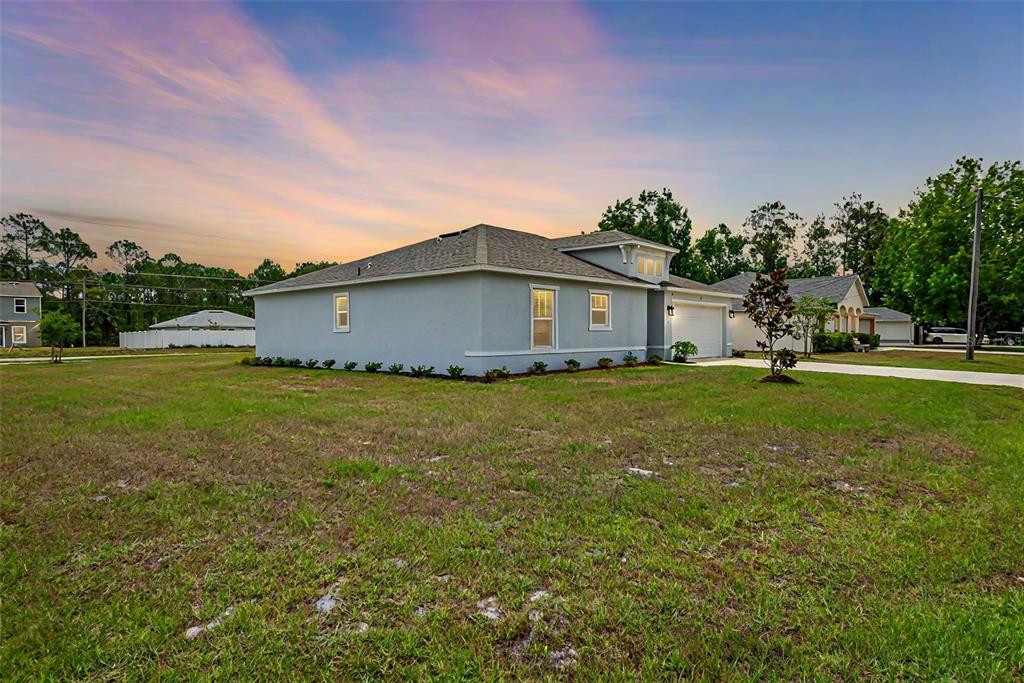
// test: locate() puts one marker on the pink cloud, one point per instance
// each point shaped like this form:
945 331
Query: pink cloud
188 114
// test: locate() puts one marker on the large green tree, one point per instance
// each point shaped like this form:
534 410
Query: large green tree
820 255
655 216
70 252
267 272
719 254
860 227
925 259
771 231
25 241
127 254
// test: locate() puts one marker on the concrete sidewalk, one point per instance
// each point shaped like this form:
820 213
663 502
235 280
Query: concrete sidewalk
961 376
946 349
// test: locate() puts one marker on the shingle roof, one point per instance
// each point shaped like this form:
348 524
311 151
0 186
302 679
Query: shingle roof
19 289
835 288
686 283
205 319
480 246
602 237
883 314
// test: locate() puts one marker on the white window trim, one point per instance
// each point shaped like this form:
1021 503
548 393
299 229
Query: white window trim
24 305
590 311
15 334
554 317
334 312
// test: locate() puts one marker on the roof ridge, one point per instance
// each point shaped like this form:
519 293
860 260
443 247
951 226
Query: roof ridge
481 244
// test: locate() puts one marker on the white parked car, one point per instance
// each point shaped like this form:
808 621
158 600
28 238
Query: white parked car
949 335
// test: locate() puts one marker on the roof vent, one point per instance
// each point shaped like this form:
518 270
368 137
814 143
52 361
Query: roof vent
449 234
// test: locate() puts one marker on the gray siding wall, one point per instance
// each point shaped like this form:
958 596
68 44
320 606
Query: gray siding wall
507 316
31 314
418 321
610 258
476 320
30 319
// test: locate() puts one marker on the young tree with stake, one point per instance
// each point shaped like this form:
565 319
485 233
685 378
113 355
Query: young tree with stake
771 309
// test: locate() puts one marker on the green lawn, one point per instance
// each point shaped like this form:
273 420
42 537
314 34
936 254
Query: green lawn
936 360
788 531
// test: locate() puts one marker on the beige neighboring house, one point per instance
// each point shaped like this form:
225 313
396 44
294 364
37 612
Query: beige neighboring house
852 310
895 327
21 307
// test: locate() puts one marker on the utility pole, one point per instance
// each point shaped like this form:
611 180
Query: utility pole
83 312
972 304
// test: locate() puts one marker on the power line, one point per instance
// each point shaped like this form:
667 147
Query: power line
145 274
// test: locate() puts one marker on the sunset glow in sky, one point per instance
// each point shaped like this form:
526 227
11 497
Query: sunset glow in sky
228 133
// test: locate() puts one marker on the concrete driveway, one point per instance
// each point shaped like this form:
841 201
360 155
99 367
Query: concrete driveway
961 376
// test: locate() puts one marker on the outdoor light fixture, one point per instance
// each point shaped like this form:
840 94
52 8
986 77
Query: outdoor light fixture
671 310
732 314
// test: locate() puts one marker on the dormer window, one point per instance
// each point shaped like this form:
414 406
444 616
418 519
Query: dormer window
649 265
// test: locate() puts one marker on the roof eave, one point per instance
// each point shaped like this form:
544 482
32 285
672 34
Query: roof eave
638 243
452 271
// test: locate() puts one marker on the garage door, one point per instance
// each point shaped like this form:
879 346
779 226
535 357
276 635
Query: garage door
700 324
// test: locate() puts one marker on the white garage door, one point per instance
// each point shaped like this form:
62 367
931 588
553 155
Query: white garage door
700 324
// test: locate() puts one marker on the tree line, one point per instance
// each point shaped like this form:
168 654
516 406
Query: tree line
140 291
917 261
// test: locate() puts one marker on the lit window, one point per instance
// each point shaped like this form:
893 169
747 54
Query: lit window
600 310
649 265
543 328
20 306
657 267
18 334
341 312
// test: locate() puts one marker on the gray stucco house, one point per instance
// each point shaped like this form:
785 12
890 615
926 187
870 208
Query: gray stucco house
486 297
21 305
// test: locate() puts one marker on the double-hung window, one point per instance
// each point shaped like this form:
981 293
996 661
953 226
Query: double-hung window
542 320
341 313
600 310
20 306
18 334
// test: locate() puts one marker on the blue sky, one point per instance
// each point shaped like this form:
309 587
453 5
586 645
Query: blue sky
227 133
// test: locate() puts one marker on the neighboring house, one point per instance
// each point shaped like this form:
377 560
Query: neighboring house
205 328
486 297
21 306
211 319
894 327
852 313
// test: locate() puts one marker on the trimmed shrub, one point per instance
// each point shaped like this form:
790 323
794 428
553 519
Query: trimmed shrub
312 363
630 361
280 361
682 350
654 359
421 370
350 365
832 342
294 363
538 367
395 368
328 363
373 366
249 360
604 363
266 360
455 371
736 353
572 365
871 340
496 373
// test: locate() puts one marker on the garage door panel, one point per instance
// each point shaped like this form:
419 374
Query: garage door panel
701 325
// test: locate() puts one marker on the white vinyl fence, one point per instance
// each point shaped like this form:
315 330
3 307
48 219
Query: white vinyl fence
162 339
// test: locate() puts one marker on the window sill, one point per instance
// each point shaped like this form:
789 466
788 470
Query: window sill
339 330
